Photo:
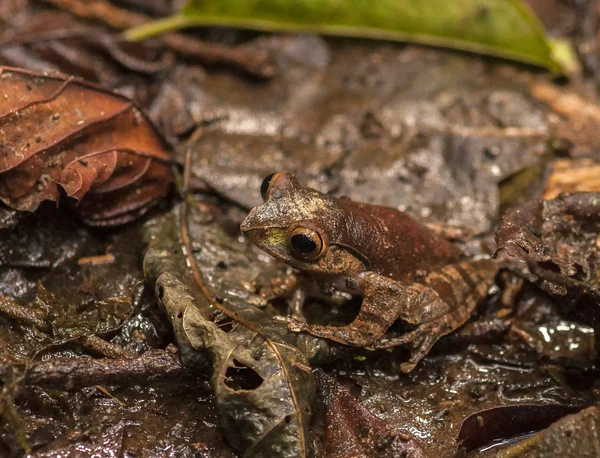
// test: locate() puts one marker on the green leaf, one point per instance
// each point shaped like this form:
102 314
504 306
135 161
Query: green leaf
503 28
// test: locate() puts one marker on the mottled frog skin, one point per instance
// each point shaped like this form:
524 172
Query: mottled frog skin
401 268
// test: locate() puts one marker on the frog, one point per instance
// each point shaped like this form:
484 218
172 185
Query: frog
402 269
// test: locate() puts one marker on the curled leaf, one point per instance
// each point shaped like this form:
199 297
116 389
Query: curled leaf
557 238
57 40
96 145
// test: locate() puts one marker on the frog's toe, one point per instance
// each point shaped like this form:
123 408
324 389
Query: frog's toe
282 319
421 346
383 344
407 367
295 325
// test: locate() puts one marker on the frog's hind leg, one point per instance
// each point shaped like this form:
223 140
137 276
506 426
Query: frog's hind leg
438 326
425 336
469 283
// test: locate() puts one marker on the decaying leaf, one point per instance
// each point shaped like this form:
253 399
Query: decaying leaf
560 232
558 239
351 430
262 382
96 145
263 387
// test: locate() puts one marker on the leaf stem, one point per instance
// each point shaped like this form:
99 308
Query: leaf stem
158 27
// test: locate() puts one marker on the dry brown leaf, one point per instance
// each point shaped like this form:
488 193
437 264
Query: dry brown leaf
570 176
576 115
97 145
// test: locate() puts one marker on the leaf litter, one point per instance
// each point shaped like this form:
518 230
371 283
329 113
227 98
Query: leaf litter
475 372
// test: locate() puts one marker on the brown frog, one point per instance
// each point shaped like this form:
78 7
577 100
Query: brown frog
402 269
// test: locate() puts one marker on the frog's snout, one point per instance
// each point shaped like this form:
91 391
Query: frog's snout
252 230
248 224
245 226
254 234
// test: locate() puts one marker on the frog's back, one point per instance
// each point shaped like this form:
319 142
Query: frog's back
393 243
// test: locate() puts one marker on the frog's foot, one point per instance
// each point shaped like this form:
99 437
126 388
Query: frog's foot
422 338
280 287
421 347
438 327
347 335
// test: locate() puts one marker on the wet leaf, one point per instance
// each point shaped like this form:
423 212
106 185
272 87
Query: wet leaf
352 430
559 242
107 441
507 29
559 341
95 145
573 436
486 426
437 161
262 382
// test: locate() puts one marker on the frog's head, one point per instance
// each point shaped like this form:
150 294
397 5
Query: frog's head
300 226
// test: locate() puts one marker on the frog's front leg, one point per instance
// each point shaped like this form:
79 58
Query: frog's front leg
382 301
441 304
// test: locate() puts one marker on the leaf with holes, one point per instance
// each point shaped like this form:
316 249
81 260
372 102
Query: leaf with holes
59 132
263 387
263 383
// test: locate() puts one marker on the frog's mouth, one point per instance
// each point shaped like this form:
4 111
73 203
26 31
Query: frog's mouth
272 240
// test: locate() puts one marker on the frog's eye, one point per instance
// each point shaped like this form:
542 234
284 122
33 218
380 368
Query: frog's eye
265 187
306 243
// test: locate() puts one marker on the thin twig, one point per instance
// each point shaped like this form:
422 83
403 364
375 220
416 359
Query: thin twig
24 315
105 348
75 373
